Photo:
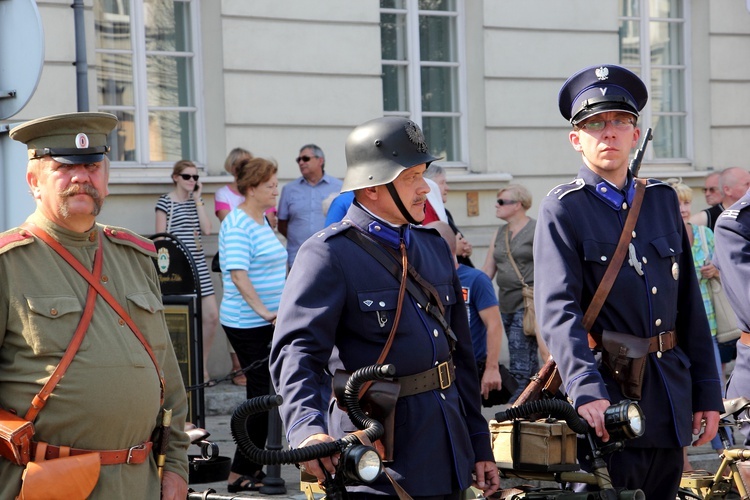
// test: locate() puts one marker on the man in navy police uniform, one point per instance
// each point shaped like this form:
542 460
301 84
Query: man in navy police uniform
338 295
654 294
732 256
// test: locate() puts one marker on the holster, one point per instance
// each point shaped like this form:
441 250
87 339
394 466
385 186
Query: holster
64 478
378 402
15 438
625 356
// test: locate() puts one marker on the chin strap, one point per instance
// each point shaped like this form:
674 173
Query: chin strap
400 205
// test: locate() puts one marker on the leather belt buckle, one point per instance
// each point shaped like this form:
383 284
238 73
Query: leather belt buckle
444 375
138 447
661 345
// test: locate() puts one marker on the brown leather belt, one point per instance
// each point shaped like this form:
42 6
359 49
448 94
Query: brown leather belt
745 338
134 455
440 377
659 344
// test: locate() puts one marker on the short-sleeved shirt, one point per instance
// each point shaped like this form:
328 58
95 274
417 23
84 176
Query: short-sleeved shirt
339 206
183 222
227 199
244 244
479 294
301 204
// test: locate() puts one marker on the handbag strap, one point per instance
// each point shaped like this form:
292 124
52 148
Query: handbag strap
106 295
510 256
614 265
40 400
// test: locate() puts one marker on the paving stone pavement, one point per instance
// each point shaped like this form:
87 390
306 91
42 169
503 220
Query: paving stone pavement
222 399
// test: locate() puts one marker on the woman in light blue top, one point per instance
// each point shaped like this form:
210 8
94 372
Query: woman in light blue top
253 264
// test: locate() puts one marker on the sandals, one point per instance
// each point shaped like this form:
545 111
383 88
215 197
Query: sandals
247 483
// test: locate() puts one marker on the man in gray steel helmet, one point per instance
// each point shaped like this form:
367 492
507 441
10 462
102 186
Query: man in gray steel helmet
343 296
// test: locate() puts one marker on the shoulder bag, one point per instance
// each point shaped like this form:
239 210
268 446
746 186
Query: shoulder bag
726 321
529 313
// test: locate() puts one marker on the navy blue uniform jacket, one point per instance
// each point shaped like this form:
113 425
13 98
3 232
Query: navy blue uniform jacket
338 295
576 235
732 256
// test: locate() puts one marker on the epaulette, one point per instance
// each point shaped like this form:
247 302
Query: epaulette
567 188
13 238
651 182
127 237
333 230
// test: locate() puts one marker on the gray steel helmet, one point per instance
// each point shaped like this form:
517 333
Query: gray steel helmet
379 150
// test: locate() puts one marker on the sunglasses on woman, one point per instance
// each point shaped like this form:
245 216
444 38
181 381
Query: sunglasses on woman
187 177
502 202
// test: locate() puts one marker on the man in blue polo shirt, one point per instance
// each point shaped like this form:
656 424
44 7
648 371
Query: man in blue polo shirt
301 202
485 322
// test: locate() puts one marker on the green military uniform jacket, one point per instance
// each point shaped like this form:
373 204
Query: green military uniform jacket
109 397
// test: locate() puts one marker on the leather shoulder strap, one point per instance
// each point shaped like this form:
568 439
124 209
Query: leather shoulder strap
105 294
75 343
510 256
600 296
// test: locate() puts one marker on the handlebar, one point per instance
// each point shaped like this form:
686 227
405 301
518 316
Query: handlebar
371 427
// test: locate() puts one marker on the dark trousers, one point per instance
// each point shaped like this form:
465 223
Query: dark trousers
656 471
251 345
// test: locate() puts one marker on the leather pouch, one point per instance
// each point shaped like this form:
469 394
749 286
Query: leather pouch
625 356
15 438
65 478
379 402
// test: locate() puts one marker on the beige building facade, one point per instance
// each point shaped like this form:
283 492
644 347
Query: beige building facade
196 78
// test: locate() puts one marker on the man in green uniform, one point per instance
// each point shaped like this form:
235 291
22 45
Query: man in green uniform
109 399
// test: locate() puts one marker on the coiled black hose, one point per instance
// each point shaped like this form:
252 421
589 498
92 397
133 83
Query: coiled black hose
372 428
555 407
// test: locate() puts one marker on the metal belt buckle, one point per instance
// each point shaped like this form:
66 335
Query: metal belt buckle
661 345
141 446
444 375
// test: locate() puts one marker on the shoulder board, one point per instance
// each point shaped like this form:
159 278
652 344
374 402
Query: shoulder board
14 238
650 182
334 229
126 237
567 188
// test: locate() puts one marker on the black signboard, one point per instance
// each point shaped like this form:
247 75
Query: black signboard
180 288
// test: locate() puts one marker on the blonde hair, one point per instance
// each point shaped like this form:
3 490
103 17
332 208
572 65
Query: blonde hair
519 193
234 158
180 167
684 192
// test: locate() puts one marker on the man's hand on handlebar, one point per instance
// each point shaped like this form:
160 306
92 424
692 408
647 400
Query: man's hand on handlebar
593 413
711 419
487 477
315 467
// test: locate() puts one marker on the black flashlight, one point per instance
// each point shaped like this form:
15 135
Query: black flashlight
624 420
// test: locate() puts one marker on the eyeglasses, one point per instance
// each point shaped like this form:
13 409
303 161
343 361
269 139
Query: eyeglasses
711 189
305 158
599 125
187 177
502 202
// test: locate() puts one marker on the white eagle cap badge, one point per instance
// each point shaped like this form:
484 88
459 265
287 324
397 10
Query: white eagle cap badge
602 73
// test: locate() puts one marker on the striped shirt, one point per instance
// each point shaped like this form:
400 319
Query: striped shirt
245 244
183 222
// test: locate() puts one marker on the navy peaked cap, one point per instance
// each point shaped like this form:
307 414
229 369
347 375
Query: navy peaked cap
598 89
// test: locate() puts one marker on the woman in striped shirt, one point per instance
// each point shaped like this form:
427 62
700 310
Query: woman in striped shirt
182 213
253 272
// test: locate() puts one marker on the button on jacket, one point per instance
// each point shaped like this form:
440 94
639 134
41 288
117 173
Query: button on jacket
655 291
338 295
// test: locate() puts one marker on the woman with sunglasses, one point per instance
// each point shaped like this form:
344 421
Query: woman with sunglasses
513 201
182 213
